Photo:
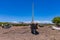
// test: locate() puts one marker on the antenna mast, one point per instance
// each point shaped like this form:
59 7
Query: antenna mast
33 11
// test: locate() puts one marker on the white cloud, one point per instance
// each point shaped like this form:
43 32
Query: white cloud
38 21
14 22
45 22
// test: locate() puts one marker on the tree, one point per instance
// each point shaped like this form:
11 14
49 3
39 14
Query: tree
56 20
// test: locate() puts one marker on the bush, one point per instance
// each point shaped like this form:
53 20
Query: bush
20 24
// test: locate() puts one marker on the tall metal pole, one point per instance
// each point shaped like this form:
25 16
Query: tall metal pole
33 11
33 26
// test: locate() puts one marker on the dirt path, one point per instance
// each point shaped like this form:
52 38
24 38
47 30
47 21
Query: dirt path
23 33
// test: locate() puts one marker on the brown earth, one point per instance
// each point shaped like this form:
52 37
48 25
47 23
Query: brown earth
23 33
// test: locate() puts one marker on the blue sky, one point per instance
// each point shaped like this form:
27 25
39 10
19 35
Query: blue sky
21 10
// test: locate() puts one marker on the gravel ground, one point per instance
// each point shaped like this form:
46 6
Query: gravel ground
23 33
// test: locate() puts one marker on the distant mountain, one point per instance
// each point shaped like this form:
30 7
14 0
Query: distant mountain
39 22
44 22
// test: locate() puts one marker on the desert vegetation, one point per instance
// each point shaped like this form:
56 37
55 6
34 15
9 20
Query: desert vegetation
14 24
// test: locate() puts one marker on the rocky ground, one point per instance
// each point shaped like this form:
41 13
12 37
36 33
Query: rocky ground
23 33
